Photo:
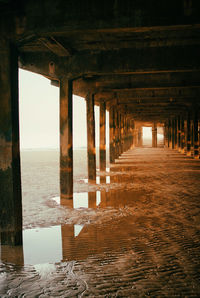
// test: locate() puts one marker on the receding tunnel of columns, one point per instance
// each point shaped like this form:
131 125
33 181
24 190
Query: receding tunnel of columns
181 132
119 142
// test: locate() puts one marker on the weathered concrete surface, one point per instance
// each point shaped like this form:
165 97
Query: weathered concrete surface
66 140
102 146
10 180
91 138
111 134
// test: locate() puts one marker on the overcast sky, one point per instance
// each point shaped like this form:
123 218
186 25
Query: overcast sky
39 113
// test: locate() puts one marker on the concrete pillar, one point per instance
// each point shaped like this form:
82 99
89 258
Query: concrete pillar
182 135
169 134
192 137
116 134
122 133
91 150
166 135
10 175
111 124
128 133
188 135
154 135
9 252
125 134
119 132
179 133
134 134
140 136
196 136
92 200
66 145
175 133
102 136
115 143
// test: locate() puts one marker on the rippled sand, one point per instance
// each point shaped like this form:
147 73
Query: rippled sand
136 233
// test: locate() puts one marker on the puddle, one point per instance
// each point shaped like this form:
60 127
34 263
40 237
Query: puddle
101 199
65 243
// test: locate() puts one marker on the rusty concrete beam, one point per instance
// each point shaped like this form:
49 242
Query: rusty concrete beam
123 61
55 46
153 80
167 92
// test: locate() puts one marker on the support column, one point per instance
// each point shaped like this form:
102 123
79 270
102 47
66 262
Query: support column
175 133
165 135
154 135
122 133
188 135
10 175
116 134
91 150
66 145
179 134
111 123
169 134
92 200
182 135
102 136
196 136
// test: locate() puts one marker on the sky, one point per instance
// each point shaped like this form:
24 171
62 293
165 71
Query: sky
39 113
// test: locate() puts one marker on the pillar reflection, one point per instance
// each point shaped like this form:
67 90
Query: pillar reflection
11 239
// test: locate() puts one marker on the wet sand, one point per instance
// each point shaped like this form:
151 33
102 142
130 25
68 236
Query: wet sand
136 233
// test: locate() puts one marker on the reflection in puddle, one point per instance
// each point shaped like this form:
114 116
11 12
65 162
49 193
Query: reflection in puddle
80 200
77 229
101 199
107 179
101 233
98 197
42 245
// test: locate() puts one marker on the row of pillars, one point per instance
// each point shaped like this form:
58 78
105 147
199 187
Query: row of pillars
183 134
121 136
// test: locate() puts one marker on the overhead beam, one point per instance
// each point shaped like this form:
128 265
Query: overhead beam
146 80
167 92
55 46
124 61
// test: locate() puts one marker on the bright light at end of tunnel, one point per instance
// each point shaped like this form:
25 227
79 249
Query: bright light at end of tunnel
147 132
